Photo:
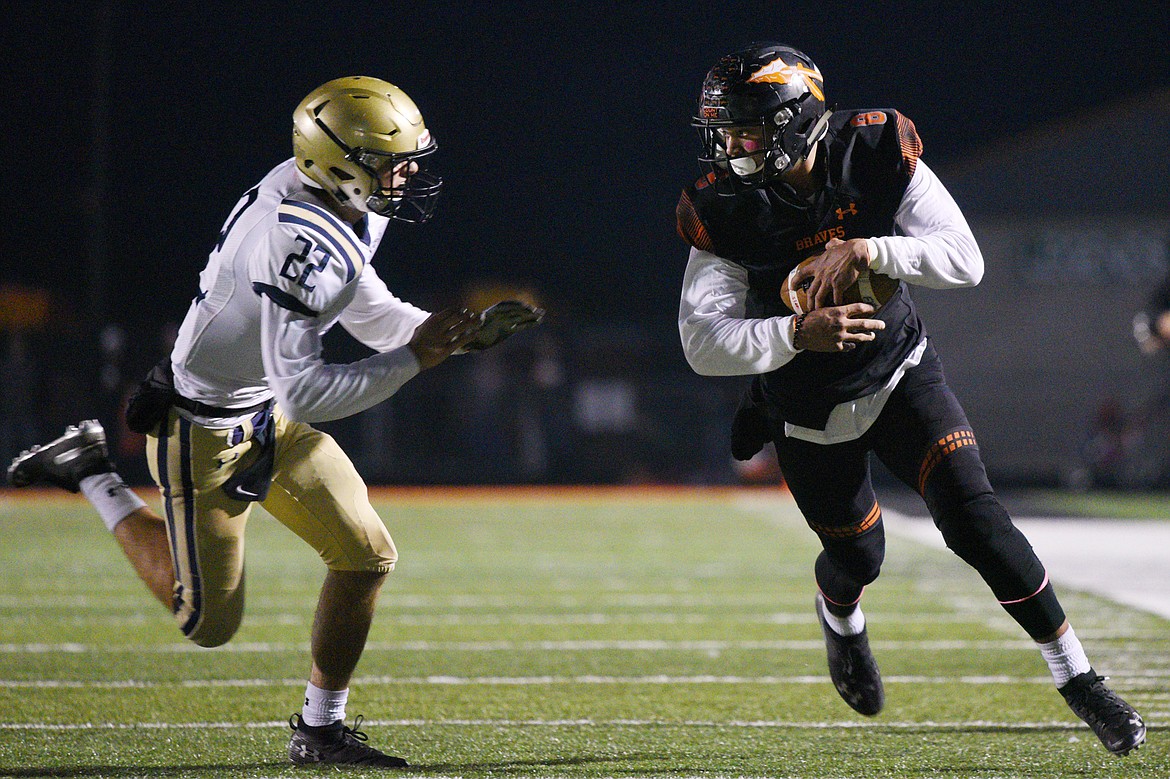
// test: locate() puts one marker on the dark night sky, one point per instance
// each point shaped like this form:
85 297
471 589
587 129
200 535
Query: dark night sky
563 127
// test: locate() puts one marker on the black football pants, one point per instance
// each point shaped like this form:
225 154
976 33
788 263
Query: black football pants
923 437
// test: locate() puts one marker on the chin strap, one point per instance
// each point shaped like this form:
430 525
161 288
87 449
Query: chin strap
819 129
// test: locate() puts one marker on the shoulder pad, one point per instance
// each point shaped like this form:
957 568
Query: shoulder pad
689 225
328 228
910 142
308 258
882 127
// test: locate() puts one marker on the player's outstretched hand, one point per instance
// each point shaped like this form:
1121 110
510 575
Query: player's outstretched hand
501 320
838 328
442 334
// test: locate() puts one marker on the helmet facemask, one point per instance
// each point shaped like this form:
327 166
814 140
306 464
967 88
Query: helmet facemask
413 190
768 147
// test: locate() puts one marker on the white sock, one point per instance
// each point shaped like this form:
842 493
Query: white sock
112 497
1065 657
845 626
323 707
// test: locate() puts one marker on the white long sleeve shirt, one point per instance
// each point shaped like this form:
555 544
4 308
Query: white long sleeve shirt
285 270
935 248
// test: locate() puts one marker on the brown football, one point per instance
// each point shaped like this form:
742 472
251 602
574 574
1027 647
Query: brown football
870 287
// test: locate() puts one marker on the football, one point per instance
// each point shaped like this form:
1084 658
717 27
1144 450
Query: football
870 287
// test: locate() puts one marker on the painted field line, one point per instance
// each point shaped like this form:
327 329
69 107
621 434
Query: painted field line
1132 681
576 723
457 495
648 645
81 613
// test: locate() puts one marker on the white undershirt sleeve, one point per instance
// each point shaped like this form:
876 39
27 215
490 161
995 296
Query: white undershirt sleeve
310 390
936 248
716 339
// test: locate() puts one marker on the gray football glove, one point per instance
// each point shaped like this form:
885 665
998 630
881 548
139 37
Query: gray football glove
501 320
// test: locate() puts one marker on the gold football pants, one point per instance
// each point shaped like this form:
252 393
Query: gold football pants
315 492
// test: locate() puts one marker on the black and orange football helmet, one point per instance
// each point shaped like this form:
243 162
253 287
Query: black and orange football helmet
770 92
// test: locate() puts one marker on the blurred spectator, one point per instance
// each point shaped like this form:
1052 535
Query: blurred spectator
1105 454
487 446
1151 325
542 431
610 425
1129 447
19 421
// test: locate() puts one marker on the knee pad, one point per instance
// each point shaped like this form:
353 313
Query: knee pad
211 622
861 558
847 565
976 529
982 534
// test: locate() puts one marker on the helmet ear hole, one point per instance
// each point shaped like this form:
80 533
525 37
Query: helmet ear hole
341 174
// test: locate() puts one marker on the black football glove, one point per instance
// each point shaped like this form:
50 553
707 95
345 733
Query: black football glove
500 321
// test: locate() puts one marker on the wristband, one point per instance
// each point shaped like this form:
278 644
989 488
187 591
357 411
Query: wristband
799 323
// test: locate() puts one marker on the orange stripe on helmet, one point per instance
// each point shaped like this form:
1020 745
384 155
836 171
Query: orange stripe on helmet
780 72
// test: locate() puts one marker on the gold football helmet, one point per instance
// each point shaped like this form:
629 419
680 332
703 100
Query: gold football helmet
364 141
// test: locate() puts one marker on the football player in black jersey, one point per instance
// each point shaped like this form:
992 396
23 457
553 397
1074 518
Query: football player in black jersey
785 180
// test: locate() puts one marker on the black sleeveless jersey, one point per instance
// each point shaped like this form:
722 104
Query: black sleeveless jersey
867 159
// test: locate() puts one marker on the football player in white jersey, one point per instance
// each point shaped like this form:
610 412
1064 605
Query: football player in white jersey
228 416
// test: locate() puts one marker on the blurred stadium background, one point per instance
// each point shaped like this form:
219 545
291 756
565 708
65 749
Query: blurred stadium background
565 142
582 632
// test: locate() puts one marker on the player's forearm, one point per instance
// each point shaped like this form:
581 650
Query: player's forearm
736 347
379 319
310 390
941 260
717 338
320 392
935 247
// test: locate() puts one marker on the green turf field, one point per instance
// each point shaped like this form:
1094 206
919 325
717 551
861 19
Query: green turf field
571 634
1100 503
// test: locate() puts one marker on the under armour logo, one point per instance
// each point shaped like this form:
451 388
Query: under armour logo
114 490
841 212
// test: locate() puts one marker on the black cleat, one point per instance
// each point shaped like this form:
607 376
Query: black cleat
64 462
337 744
1115 722
852 668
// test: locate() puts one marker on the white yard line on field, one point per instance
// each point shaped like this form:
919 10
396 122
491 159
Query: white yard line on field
518 681
1141 679
649 645
14 611
576 723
